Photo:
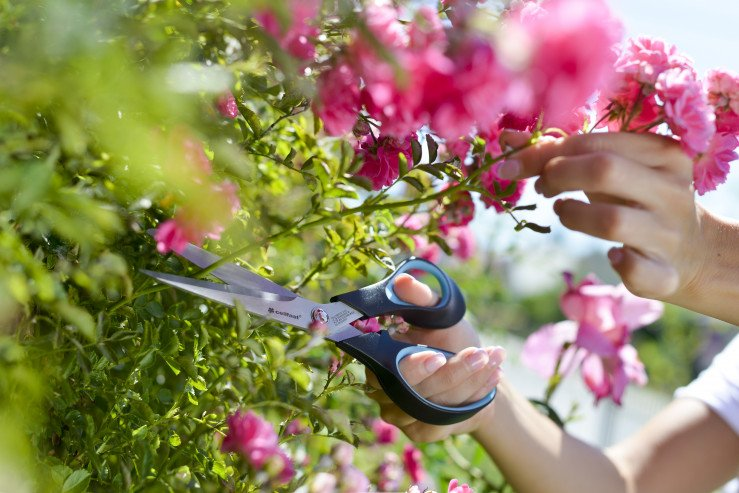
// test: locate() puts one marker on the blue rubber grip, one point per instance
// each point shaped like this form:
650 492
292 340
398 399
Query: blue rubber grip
380 299
382 354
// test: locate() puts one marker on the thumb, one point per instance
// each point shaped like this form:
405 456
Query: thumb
410 290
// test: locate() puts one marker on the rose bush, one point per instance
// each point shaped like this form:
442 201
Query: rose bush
313 143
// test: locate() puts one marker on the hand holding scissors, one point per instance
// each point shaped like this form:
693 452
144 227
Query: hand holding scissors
376 350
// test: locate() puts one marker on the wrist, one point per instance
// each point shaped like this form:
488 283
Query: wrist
711 278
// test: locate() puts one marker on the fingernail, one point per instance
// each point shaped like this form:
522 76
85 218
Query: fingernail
509 169
497 355
537 186
557 205
434 362
615 255
476 359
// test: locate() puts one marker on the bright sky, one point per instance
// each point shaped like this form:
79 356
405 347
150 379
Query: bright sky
707 31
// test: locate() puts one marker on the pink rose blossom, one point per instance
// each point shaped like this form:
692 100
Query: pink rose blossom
196 158
631 96
381 163
458 212
723 95
455 487
598 334
461 240
337 103
385 433
542 349
426 30
412 464
459 148
342 454
467 91
686 109
422 247
369 325
712 167
174 235
226 104
352 480
389 473
295 37
255 439
490 180
563 54
296 427
323 482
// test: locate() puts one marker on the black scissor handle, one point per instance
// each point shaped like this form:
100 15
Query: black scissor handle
381 353
380 299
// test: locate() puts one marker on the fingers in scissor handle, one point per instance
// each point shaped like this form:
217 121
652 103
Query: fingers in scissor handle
418 366
413 291
463 377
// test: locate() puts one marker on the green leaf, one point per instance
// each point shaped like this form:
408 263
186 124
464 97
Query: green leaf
219 467
416 151
341 423
402 164
533 226
79 318
427 168
531 207
155 309
175 440
77 482
433 147
414 182
288 161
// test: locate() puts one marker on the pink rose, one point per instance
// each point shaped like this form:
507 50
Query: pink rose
631 95
381 158
323 482
490 180
352 480
461 240
294 37
369 325
563 54
455 487
226 104
686 109
723 95
458 212
389 473
256 441
412 463
422 247
602 318
712 167
337 103
385 433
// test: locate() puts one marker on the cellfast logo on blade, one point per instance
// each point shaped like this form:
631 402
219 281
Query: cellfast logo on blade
272 311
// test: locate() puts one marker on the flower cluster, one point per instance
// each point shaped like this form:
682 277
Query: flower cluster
254 439
458 82
657 89
596 337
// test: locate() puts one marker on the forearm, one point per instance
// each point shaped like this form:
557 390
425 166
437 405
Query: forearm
714 290
535 455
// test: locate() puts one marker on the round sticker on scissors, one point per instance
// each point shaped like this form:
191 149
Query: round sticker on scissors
318 315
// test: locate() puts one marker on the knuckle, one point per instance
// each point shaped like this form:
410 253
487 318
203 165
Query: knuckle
603 169
612 224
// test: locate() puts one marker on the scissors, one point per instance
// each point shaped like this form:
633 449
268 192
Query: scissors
376 350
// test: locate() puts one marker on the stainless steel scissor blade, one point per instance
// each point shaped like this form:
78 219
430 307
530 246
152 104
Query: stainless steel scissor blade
231 273
294 310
